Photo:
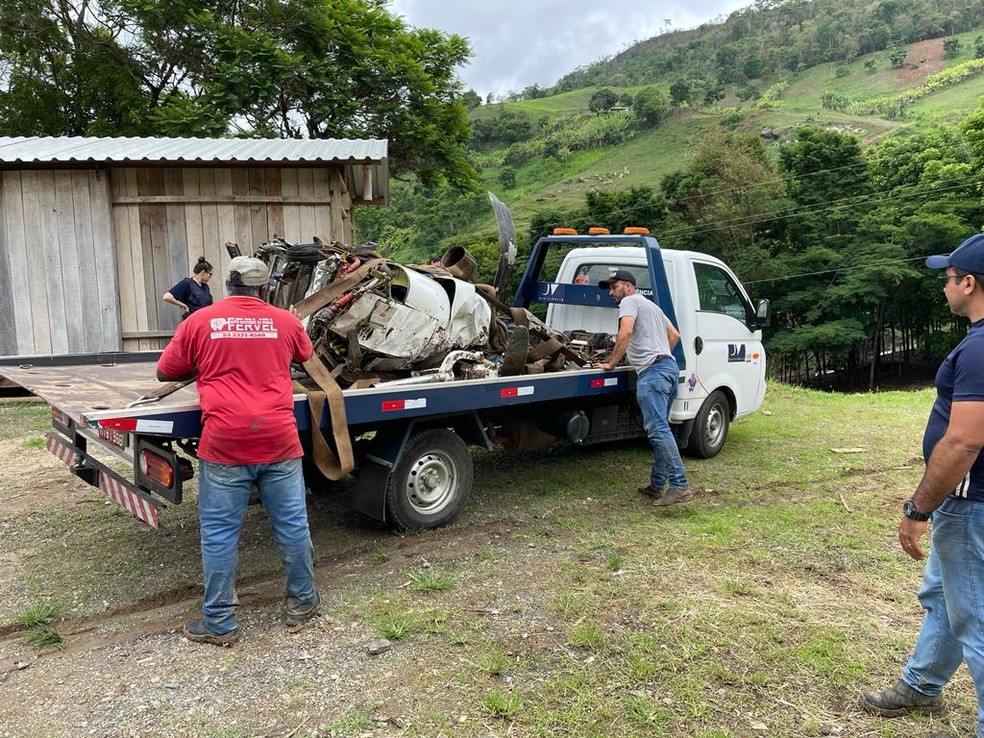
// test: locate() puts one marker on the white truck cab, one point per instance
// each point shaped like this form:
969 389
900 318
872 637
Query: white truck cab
722 374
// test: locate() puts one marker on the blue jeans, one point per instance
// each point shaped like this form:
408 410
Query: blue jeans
656 388
952 594
223 494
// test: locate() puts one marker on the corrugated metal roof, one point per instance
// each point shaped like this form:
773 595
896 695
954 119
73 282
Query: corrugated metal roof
38 150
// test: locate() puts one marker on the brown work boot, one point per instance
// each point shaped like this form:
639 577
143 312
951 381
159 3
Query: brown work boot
651 492
901 700
295 615
196 630
674 495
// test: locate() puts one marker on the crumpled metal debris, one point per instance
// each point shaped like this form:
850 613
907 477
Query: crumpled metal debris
374 321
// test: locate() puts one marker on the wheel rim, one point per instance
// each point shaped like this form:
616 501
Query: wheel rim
432 483
716 425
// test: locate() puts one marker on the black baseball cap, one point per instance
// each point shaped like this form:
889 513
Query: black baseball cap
968 256
619 275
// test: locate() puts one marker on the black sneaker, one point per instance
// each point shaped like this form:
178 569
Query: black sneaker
901 700
295 617
195 630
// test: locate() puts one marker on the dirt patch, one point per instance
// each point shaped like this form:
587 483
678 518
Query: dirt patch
126 671
30 473
925 58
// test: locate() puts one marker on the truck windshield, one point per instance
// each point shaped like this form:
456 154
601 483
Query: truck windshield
594 273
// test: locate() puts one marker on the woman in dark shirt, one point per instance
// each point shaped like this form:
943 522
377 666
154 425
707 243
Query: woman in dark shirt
192 293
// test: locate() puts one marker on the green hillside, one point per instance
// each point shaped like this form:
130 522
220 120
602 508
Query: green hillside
558 181
823 185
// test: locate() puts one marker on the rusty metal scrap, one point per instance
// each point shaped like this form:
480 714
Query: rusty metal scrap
374 321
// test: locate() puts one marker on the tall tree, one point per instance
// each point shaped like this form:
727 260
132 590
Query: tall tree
292 68
650 106
724 199
827 178
973 128
601 100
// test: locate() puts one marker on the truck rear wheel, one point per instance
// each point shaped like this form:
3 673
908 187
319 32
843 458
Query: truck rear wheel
710 426
431 482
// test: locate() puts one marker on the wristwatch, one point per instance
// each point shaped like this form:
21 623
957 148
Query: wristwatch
910 511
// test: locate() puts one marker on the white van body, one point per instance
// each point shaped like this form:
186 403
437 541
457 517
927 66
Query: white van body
721 343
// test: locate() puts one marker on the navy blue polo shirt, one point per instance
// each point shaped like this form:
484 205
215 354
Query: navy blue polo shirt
960 379
194 295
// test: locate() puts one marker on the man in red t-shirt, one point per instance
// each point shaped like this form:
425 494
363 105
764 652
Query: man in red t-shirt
240 350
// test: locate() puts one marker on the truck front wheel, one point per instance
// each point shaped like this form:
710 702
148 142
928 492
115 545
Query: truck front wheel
429 485
710 426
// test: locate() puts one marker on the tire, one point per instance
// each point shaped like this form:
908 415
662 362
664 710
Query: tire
431 482
710 429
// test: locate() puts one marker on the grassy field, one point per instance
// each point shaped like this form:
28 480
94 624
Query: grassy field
560 604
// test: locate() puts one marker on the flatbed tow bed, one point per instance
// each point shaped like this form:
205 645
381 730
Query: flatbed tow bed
413 465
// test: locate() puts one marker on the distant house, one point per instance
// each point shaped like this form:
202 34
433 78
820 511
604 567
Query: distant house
617 109
94 230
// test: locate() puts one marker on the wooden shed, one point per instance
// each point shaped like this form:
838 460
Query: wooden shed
93 231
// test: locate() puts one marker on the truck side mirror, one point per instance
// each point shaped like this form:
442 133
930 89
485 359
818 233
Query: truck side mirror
762 315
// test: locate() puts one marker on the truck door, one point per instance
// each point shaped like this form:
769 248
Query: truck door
730 353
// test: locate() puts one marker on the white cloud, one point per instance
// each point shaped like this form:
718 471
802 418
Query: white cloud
522 42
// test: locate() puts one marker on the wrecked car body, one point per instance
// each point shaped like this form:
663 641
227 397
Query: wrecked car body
370 317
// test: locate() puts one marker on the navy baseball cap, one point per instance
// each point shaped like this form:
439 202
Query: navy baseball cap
619 275
968 256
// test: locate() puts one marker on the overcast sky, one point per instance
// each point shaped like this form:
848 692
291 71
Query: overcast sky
521 42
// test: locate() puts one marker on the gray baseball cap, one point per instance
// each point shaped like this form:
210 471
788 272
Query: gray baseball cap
248 271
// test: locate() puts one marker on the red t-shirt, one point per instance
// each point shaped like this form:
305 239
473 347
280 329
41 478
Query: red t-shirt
242 348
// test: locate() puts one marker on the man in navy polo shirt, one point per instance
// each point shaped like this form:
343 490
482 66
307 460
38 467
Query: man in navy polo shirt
951 493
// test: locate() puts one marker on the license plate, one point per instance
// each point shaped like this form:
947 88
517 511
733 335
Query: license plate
117 438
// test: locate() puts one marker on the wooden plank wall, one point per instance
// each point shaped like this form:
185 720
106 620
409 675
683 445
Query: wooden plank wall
57 264
167 217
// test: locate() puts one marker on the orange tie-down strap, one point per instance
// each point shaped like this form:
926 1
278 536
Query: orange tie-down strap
332 466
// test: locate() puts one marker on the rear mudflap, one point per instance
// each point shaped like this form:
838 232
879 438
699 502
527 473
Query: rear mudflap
136 502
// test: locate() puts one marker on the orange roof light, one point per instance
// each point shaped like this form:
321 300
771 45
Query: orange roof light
595 231
564 231
635 230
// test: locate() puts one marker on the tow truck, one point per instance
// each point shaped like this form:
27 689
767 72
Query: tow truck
411 442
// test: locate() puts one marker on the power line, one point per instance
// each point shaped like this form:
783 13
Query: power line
870 198
778 180
834 271
791 212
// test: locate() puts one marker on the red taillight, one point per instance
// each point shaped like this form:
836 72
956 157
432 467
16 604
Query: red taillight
157 468
120 424
60 418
